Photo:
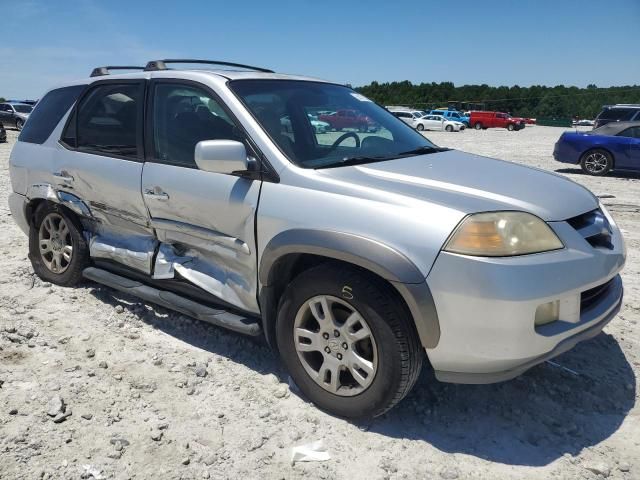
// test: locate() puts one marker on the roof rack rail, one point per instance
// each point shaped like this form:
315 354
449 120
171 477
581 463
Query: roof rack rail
155 65
101 71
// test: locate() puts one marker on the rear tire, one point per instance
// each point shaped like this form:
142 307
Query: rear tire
57 249
313 334
596 162
478 126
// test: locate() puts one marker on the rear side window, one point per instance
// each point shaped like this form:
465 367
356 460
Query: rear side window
107 121
48 112
617 114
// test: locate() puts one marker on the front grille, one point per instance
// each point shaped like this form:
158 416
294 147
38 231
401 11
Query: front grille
594 227
592 296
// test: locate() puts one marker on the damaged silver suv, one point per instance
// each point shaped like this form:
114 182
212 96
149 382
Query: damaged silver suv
353 251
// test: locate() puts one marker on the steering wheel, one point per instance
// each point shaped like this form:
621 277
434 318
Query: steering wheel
342 138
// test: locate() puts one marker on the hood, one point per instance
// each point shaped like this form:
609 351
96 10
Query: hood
472 183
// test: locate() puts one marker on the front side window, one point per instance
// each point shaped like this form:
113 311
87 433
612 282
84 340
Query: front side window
367 133
108 120
183 115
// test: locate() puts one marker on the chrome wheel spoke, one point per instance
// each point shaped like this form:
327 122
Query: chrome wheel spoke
321 311
45 246
329 375
307 341
355 329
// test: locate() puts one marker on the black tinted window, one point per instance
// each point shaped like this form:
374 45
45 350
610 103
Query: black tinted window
108 120
48 112
633 132
617 114
184 115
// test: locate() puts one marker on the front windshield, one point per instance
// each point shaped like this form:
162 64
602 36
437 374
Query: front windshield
357 131
23 108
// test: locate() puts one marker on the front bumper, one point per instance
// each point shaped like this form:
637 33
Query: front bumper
486 306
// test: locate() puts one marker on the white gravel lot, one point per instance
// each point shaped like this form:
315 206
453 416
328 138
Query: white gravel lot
155 395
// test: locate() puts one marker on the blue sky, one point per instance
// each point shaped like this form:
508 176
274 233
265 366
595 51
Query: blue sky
571 42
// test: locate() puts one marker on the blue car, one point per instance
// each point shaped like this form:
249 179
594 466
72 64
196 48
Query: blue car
614 146
452 115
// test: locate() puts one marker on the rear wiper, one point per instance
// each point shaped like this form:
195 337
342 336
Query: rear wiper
424 150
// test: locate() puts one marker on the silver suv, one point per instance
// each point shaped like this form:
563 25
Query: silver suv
352 252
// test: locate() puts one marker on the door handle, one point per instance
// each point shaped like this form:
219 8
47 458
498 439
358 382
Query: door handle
63 176
156 193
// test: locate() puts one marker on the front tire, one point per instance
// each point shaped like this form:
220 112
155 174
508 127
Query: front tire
19 124
510 127
596 162
347 341
449 128
57 249
420 127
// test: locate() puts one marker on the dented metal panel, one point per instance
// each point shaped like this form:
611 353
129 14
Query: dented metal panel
209 219
134 251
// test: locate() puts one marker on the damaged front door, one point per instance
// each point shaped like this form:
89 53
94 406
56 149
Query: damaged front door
204 221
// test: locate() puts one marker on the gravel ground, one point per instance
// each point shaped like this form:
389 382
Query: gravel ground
95 384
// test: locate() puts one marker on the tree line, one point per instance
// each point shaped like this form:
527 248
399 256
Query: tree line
536 101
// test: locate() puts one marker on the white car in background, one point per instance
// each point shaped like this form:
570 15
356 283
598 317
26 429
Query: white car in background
410 117
437 122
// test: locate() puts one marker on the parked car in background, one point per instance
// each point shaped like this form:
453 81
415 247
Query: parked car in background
352 119
584 123
438 122
614 146
3 134
618 113
452 115
14 114
481 120
410 117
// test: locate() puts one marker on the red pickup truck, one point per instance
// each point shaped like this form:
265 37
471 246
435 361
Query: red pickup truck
483 120
348 119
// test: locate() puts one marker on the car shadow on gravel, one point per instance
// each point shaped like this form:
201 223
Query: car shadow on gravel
564 406
575 402
614 174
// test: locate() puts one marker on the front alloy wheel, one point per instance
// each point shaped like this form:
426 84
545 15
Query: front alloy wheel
335 345
347 340
19 124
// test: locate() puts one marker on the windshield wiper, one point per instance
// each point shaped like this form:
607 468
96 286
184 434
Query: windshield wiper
424 150
348 161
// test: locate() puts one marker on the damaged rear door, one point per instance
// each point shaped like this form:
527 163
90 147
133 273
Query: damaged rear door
204 221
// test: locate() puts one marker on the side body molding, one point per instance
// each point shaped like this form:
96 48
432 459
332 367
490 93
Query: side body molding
369 254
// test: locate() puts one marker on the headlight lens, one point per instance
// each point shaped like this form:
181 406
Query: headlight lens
502 234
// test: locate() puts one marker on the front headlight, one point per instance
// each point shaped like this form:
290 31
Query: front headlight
502 234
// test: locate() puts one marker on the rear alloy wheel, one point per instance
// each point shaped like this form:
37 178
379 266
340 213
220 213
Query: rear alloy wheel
449 128
57 248
347 341
478 126
596 162
19 123
420 127
510 127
